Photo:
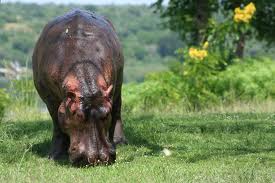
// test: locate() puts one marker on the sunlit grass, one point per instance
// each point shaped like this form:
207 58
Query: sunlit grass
210 147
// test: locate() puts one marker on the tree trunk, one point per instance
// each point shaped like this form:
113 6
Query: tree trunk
201 20
240 46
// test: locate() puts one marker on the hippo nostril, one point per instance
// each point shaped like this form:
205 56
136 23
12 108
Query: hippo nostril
73 149
92 159
103 157
80 115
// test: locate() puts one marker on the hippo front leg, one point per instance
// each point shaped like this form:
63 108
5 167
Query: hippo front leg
60 145
60 141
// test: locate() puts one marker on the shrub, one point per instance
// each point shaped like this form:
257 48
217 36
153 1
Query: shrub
193 86
4 99
159 89
248 79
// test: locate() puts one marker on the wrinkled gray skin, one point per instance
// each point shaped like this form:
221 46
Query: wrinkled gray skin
78 72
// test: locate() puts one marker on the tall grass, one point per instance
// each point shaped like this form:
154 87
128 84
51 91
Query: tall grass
24 98
23 92
4 100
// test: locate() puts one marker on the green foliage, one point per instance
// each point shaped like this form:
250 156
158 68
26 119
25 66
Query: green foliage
4 100
159 89
168 44
212 20
248 80
264 21
197 84
187 84
196 76
188 18
185 16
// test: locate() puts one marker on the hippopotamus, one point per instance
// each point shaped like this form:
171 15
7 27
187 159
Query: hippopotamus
78 73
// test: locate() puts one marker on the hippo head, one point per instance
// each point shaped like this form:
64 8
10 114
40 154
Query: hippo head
86 119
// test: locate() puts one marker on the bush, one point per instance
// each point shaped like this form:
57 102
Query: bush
4 99
249 79
159 89
193 87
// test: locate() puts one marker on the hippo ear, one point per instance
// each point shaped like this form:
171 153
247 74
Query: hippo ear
70 103
107 93
71 95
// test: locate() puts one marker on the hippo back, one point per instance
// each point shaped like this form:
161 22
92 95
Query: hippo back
68 40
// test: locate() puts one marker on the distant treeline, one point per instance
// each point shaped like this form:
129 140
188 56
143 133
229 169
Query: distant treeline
147 45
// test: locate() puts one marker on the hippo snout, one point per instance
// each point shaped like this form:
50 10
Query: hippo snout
93 158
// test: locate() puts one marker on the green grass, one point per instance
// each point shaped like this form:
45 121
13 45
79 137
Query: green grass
237 147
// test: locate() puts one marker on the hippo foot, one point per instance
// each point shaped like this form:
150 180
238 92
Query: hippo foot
59 149
120 140
57 155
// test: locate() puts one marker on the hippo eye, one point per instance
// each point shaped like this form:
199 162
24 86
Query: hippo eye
103 113
99 114
103 110
81 100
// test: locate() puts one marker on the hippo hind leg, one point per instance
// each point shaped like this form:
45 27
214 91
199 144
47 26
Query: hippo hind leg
117 125
119 137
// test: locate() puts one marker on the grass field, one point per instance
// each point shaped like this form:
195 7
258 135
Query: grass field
236 147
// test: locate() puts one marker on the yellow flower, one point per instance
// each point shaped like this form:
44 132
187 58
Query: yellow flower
244 15
238 10
203 54
241 17
197 54
247 17
192 52
250 9
205 45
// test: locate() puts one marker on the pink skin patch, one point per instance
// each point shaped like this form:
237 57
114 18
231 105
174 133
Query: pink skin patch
72 85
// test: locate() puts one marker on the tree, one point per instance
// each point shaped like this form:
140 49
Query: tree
187 17
191 19
263 23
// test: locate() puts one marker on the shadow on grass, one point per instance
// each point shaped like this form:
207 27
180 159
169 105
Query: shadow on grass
228 152
42 149
236 130
136 138
28 137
